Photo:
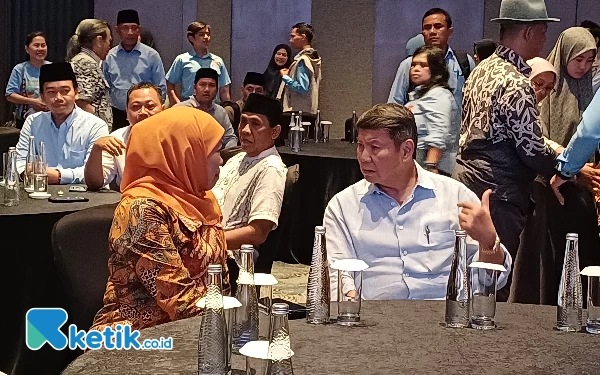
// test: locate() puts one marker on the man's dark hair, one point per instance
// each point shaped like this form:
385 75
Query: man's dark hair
304 29
436 59
398 120
144 85
594 28
433 11
196 26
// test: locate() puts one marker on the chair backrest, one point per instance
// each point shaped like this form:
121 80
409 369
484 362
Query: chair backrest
287 217
80 244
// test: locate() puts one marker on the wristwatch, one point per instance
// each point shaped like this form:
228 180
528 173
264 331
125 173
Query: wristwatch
494 249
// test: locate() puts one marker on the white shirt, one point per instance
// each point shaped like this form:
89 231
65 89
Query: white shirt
251 188
409 247
113 166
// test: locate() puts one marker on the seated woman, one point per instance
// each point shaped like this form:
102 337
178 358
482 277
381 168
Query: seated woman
431 102
167 227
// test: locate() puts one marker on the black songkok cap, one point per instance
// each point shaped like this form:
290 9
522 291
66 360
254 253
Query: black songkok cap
254 78
58 71
128 16
206 73
263 105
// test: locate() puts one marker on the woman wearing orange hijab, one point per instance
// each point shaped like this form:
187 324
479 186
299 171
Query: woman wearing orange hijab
166 229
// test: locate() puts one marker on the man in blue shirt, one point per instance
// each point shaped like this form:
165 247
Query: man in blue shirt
205 91
185 66
67 131
437 30
401 219
129 63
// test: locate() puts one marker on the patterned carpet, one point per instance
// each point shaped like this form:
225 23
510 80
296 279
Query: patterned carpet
292 281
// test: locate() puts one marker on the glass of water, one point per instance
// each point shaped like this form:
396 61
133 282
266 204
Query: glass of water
349 290
326 125
484 285
40 174
256 354
592 324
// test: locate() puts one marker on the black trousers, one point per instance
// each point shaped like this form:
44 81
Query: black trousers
509 220
119 119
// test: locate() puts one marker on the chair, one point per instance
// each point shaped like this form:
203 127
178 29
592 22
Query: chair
287 218
80 245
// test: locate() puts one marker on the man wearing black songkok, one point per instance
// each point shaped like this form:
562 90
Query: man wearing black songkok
251 183
253 83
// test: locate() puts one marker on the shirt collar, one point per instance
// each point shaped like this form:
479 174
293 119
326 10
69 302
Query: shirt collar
197 105
512 57
207 56
424 181
91 53
450 54
68 121
135 48
264 154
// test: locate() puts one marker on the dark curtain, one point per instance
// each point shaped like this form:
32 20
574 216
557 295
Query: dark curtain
56 18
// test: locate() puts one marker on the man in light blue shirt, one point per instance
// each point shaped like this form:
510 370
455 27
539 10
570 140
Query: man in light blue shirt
67 131
581 147
184 68
401 219
437 29
129 63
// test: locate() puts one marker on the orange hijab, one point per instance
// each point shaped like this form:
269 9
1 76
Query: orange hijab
166 160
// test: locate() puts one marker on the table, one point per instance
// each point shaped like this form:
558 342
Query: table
325 170
406 338
30 280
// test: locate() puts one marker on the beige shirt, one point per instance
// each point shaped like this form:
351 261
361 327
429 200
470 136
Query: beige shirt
251 188
113 166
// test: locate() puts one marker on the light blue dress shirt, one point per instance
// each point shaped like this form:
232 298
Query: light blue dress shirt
302 82
584 142
409 247
433 112
67 147
184 68
124 69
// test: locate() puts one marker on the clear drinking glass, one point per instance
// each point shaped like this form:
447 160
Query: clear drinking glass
11 183
40 171
349 290
592 324
484 284
264 283
256 353
4 165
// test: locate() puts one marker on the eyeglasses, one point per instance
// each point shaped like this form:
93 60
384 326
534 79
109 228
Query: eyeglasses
132 28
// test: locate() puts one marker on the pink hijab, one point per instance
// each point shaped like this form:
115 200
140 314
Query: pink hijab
539 65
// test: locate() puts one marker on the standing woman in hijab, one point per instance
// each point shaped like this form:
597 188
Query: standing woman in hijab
561 111
280 59
167 227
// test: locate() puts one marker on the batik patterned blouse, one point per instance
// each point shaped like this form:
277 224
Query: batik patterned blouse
158 265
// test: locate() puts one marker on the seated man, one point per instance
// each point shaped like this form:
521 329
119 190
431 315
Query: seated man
68 131
107 159
253 83
205 92
401 219
251 183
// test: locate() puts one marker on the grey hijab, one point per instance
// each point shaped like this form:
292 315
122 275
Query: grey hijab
562 109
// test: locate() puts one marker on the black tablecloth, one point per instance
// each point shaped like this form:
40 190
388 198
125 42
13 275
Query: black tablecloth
325 170
29 278
406 338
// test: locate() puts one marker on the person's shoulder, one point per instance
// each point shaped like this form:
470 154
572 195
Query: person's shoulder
448 186
112 52
439 91
216 58
148 50
120 133
352 193
185 103
86 119
274 162
38 118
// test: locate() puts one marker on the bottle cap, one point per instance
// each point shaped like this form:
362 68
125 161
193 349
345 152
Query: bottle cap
460 233
280 309
320 229
572 236
215 268
247 248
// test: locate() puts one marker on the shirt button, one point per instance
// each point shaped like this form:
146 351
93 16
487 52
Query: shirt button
392 204
406 275
405 252
400 227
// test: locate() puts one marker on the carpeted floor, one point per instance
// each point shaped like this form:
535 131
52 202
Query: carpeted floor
292 281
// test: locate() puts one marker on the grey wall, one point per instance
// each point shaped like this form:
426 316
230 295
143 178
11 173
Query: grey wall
167 23
396 21
344 38
257 27
217 13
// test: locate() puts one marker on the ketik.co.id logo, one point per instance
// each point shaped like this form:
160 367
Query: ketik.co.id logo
43 326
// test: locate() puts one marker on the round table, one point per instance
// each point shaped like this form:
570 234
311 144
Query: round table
29 275
405 337
325 170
